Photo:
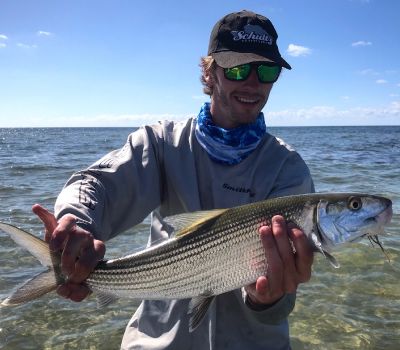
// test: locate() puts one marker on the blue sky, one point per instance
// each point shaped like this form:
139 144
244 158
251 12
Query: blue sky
127 63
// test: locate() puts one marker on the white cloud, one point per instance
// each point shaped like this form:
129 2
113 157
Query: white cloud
381 81
368 71
328 115
396 105
43 33
297 50
398 84
26 46
394 95
361 43
317 115
345 98
3 37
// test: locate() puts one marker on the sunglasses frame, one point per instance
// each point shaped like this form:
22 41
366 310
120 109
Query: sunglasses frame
255 65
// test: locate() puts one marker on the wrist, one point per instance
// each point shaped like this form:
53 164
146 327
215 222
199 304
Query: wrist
258 306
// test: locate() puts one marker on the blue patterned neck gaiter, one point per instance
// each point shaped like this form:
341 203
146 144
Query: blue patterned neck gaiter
228 146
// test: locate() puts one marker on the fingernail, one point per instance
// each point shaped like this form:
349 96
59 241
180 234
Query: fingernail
276 219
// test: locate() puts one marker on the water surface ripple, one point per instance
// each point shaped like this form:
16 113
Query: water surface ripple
354 307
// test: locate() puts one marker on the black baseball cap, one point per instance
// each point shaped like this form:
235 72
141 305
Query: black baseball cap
244 37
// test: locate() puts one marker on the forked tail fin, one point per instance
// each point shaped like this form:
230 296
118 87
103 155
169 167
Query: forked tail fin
42 283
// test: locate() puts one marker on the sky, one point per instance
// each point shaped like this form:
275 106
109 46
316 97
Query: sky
128 63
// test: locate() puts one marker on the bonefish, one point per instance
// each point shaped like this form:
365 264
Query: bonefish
212 252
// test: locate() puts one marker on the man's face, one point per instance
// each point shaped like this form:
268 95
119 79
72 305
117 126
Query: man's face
236 102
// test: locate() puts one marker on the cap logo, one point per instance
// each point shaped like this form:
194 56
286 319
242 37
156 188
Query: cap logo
252 33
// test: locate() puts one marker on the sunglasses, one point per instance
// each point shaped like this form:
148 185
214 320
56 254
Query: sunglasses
266 72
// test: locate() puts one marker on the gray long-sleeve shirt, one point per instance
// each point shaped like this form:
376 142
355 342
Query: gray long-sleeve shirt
164 171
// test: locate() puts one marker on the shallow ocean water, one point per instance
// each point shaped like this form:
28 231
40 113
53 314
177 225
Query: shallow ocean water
354 307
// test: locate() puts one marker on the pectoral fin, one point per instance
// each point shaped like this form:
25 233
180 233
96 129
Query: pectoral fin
318 247
331 259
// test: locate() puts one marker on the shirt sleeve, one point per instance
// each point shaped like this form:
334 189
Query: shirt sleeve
272 314
119 190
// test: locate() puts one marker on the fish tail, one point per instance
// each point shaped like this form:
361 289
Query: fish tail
42 283
36 287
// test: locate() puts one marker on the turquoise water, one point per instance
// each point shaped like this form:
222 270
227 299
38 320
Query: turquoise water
354 307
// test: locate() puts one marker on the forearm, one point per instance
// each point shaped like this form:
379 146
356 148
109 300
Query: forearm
117 192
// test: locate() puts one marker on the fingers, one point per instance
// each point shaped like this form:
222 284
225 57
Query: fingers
80 256
285 251
304 256
262 286
75 292
80 251
66 226
76 244
91 252
48 219
296 266
285 269
275 267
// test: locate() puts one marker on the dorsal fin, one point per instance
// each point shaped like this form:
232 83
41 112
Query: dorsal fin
186 223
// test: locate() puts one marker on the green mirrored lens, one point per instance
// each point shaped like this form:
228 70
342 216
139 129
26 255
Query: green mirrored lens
268 74
238 73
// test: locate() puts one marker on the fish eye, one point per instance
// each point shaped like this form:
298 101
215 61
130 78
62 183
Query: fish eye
354 203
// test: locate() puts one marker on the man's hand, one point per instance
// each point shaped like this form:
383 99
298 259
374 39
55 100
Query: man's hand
286 270
80 251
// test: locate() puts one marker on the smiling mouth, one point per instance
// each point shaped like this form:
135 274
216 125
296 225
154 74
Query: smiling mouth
247 100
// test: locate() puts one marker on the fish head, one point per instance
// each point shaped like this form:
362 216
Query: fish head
350 217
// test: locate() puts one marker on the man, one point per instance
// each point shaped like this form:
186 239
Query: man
220 159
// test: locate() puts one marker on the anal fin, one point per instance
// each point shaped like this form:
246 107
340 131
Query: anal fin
198 308
104 299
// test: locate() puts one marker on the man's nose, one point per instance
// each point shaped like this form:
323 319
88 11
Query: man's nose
253 78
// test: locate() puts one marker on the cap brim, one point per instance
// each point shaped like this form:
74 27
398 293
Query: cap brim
228 59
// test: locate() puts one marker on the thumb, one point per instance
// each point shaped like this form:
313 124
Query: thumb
48 219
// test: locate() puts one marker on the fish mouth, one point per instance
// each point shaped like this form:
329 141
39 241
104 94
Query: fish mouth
380 220
385 216
375 224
